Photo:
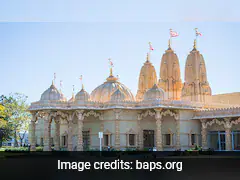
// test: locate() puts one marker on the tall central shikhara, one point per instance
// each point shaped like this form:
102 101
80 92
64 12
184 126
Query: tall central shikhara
170 77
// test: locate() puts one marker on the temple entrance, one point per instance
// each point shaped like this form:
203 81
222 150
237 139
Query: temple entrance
148 138
217 140
86 140
222 141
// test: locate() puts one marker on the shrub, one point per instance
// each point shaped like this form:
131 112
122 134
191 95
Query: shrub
16 149
39 148
131 149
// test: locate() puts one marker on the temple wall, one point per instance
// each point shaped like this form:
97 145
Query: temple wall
128 123
187 127
168 127
93 125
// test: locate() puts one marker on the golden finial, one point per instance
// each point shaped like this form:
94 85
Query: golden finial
111 71
82 87
148 57
53 82
195 44
111 65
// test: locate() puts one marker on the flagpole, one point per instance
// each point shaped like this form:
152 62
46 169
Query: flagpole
54 78
60 85
170 39
150 49
81 81
195 45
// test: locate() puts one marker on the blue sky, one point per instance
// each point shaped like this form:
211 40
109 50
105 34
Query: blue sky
77 38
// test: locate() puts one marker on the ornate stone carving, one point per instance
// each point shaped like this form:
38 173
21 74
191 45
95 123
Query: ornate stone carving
62 115
43 114
57 134
47 134
145 114
235 122
117 128
178 146
140 132
168 112
33 131
79 114
158 118
70 126
92 113
158 114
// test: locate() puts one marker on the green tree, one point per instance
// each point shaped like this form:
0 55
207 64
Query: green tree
17 115
3 121
5 128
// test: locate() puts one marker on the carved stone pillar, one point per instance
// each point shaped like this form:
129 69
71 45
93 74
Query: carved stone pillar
70 126
228 127
33 133
80 128
178 145
117 130
159 131
140 133
228 139
47 134
204 134
57 134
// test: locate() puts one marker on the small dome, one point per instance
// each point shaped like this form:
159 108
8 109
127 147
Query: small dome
82 96
118 95
154 93
52 94
103 92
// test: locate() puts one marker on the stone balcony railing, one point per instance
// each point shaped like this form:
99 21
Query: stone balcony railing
217 112
200 107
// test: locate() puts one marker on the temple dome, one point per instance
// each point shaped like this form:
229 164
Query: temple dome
118 95
82 95
103 92
154 93
52 94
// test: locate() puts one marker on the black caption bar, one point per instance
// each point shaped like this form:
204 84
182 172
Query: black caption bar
123 165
